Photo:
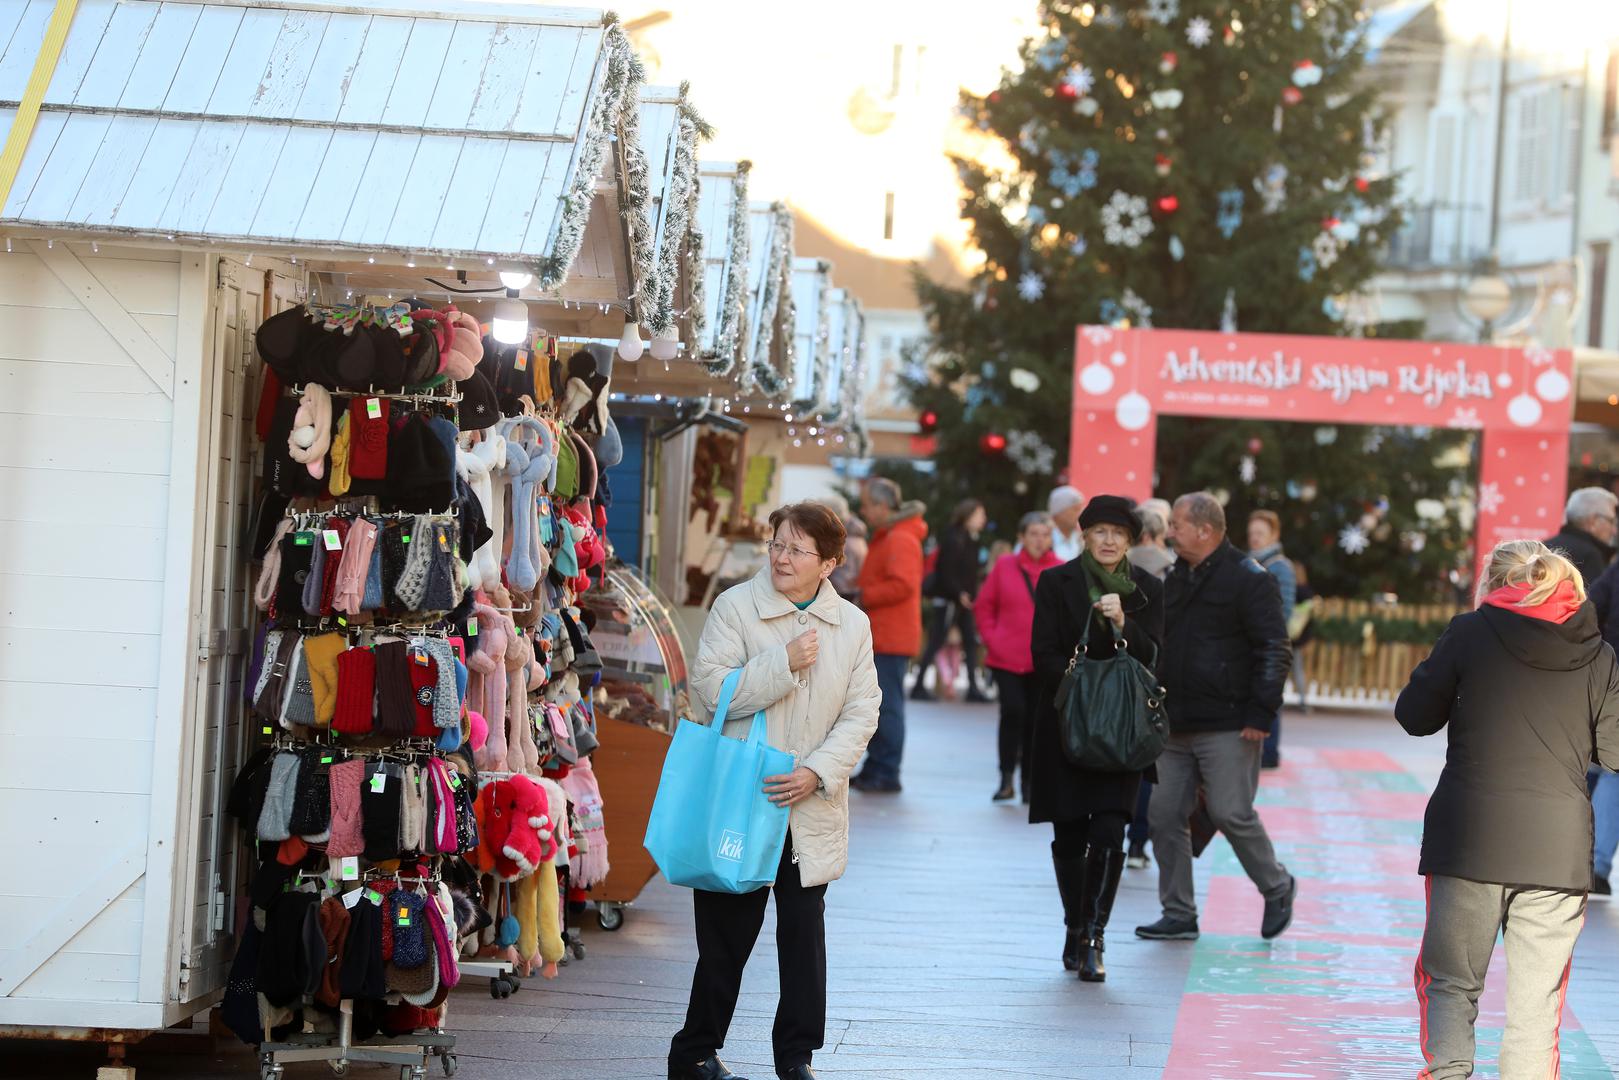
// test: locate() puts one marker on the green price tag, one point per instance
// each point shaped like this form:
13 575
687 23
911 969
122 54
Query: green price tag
348 868
404 917
406 538
472 628
326 759
302 540
379 782
374 896
341 621
373 408
455 781
269 731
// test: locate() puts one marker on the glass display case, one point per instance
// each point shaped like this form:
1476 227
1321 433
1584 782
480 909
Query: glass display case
643 664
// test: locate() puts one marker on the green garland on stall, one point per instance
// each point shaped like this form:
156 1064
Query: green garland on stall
1346 630
722 360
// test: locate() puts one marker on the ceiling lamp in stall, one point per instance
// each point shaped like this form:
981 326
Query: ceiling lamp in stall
665 345
510 324
630 345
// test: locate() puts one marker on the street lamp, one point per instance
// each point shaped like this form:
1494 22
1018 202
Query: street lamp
1487 298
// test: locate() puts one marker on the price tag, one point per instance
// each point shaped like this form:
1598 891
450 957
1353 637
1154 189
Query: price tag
373 408
522 359
404 917
472 628
421 657
379 782
405 539
455 781
341 621
348 868
443 541
302 540
334 542
326 759
269 731
374 896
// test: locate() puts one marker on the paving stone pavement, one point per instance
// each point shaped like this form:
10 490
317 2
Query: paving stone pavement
944 938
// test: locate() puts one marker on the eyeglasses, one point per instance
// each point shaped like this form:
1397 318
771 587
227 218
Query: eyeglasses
777 549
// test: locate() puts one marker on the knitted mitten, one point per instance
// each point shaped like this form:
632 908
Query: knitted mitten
320 658
348 591
446 702
297 552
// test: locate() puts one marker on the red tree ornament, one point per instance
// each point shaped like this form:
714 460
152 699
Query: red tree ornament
928 422
1168 204
1361 184
1066 91
1162 164
992 444
1292 95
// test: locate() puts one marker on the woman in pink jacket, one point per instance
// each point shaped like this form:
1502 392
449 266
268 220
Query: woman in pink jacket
1005 614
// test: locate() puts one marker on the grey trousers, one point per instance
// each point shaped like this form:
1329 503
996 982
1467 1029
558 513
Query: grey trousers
1227 767
1464 917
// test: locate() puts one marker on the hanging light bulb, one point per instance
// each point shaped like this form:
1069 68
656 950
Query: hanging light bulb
665 345
511 322
630 345
515 279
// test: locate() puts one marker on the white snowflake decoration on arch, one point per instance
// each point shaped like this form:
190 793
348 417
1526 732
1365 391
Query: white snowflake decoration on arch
1199 32
1125 221
1490 498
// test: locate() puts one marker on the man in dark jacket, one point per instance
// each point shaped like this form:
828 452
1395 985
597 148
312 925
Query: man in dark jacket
1590 526
1225 659
1604 785
1530 695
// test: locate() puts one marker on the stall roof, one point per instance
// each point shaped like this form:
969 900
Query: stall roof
669 132
844 396
458 128
768 342
812 331
724 224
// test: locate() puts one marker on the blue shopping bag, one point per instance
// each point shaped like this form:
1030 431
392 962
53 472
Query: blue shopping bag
712 826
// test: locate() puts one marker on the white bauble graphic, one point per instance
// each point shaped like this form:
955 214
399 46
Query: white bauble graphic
1552 385
1096 379
1133 412
1118 358
1523 410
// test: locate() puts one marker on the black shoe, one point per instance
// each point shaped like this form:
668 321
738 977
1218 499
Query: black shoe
1071 886
1600 886
976 696
710 1068
797 1072
1271 762
874 787
1137 859
1279 912
1006 791
1169 929
921 693
1104 866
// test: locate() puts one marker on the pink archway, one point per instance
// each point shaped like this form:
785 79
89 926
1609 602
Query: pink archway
1521 400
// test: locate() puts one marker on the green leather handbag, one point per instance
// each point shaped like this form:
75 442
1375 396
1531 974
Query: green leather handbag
1110 713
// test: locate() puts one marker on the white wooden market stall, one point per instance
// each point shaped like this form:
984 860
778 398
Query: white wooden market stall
194 168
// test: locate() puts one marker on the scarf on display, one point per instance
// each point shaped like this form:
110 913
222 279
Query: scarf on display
1103 581
1557 608
591 835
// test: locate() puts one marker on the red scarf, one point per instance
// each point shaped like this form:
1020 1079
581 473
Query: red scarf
1557 608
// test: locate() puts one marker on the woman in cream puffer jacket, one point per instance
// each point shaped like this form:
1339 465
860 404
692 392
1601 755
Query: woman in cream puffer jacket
806 660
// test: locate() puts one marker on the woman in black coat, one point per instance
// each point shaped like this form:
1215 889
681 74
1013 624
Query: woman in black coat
1088 809
952 593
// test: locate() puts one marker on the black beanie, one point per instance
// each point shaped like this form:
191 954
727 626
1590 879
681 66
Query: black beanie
1112 510
480 406
388 358
421 472
396 698
283 475
279 340
381 810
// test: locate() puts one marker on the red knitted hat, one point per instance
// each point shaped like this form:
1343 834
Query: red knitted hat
368 438
356 690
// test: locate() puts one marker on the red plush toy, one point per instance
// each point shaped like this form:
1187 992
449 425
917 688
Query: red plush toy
512 814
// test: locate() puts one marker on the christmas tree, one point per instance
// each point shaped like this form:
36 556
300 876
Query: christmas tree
1163 163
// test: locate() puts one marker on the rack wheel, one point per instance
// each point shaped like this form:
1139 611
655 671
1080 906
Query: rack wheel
271 1071
610 916
450 1064
339 1068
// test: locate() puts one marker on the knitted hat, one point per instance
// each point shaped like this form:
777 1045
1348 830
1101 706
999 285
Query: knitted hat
396 699
356 692
381 804
411 585
480 406
368 438
298 707
356 360
421 467
1112 510
364 975
338 483
312 795
423 356
315 580
344 779
320 657
311 434
278 339
587 465
282 474
389 348
276 818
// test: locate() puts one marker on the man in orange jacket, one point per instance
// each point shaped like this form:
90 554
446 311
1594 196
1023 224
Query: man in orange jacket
891 594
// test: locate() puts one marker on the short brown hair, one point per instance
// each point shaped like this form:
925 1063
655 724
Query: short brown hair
816 521
1269 517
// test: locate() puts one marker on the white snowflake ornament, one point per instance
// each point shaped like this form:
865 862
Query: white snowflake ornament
1490 498
1247 470
1198 32
1325 249
1125 221
1353 539
1030 452
1031 287
1163 11
1080 80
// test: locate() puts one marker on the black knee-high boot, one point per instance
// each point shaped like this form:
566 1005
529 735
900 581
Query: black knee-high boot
1102 870
1072 887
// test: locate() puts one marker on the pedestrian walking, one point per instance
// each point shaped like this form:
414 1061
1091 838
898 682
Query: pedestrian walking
1604 785
1224 662
1529 693
1005 614
891 594
951 593
1301 631
1590 530
1265 546
1088 809
1064 506
806 660
846 578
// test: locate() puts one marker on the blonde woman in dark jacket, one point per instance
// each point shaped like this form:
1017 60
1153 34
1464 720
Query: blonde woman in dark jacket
1530 694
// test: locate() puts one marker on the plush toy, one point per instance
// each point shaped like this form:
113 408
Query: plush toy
511 815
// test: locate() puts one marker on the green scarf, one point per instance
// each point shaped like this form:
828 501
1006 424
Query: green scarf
1111 582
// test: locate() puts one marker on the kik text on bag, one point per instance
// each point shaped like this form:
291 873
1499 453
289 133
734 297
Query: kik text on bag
730 847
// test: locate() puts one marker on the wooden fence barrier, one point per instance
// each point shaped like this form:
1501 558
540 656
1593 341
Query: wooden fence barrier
1363 651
